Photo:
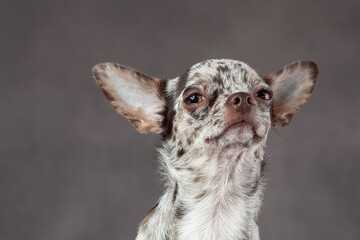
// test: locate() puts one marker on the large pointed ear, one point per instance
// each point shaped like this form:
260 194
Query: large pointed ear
291 88
137 97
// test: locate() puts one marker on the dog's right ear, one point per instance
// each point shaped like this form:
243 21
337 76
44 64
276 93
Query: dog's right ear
138 97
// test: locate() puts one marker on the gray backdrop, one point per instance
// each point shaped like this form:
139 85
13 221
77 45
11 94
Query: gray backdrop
72 168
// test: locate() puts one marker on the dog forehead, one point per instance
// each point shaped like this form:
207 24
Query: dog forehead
222 72
215 63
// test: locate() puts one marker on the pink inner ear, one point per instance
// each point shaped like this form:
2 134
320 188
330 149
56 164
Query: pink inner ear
292 86
134 95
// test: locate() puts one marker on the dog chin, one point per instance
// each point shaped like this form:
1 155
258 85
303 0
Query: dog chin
240 133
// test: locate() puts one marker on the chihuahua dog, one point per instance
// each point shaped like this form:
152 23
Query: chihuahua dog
214 120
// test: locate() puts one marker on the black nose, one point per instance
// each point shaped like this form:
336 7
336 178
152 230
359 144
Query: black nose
240 100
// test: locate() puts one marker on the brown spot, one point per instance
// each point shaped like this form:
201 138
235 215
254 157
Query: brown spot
169 114
263 168
180 211
213 98
255 187
238 65
180 152
197 129
197 179
175 192
217 79
222 68
216 110
189 141
201 195
245 75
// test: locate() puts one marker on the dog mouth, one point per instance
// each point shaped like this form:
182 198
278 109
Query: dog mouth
241 125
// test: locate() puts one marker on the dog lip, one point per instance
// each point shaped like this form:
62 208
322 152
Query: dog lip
240 122
231 125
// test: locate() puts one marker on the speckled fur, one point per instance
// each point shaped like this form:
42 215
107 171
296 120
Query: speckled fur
214 176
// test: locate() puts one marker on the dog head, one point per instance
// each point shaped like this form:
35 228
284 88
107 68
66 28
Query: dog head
215 103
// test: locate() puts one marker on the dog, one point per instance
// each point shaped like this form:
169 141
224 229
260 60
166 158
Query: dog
213 120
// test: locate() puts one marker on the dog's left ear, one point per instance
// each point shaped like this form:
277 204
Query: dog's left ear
291 88
139 98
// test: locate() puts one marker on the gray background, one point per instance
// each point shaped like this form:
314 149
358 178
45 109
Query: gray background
72 168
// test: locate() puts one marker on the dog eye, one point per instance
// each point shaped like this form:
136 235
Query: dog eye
264 94
194 98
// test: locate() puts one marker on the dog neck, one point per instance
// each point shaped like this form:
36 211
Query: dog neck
201 202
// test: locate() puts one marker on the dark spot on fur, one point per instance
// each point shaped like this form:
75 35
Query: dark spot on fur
167 237
189 141
204 113
254 187
201 195
168 112
180 152
222 68
154 207
180 211
263 168
245 75
213 98
175 192
197 129
216 110
196 115
218 80
197 179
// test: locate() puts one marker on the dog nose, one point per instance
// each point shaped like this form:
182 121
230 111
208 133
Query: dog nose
241 101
